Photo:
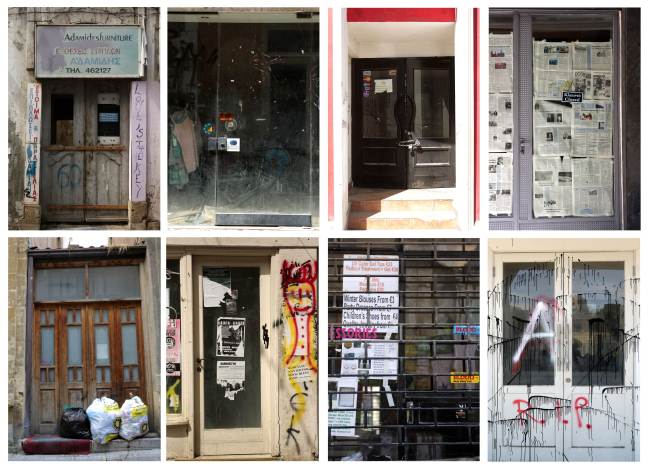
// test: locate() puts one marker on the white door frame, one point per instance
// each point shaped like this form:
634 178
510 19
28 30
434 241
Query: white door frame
253 441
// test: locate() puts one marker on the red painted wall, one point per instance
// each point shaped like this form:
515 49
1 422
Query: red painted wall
477 114
330 121
382 15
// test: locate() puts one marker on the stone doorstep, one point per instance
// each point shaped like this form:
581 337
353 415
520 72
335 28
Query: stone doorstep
445 219
148 442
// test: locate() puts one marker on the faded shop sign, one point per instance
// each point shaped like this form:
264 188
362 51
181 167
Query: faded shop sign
89 51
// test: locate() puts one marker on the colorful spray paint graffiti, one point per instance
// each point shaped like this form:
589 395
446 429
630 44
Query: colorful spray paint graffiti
299 312
32 143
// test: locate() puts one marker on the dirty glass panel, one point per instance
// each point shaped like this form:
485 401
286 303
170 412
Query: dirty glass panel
47 346
431 95
102 346
74 346
173 339
129 344
573 117
116 282
243 117
60 284
378 103
598 319
528 324
231 348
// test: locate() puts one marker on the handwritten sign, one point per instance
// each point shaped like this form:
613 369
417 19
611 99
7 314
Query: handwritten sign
89 51
138 146
33 143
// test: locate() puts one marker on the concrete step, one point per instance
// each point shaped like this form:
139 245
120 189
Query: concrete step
401 200
439 219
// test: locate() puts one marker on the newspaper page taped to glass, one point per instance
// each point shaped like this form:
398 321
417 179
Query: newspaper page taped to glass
500 124
572 134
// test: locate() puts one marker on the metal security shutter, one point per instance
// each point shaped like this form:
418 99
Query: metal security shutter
421 414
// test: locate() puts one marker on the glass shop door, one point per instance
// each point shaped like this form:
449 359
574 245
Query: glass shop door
234 364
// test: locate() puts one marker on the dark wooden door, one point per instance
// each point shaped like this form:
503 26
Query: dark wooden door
396 100
430 83
377 87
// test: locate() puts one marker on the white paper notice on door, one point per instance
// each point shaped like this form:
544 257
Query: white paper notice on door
384 86
231 372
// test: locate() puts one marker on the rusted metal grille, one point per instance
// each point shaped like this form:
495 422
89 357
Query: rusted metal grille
415 410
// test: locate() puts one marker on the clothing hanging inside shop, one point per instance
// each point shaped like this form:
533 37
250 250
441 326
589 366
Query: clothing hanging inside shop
183 129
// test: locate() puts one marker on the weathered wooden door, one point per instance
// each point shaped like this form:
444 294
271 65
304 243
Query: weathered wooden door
85 171
81 351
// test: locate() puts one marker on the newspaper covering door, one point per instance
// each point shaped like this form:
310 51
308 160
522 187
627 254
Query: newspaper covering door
572 119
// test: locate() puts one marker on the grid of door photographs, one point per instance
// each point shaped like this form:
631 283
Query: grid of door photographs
321 231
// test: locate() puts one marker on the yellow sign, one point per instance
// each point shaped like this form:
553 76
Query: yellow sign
464 378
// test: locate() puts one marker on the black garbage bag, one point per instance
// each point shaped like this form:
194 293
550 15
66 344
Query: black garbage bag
75 424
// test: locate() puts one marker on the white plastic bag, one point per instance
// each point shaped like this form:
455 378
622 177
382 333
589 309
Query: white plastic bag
104 415
135 422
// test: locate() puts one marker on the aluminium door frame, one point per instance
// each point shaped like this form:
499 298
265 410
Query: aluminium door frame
522 172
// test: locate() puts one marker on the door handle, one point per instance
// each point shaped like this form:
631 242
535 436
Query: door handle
265 336
199 364
522 145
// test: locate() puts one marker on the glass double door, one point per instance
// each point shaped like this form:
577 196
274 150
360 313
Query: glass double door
85 167
403 116
84 351
234 368
563 363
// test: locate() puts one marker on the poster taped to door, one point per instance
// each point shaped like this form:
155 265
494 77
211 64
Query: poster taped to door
231 334
231 375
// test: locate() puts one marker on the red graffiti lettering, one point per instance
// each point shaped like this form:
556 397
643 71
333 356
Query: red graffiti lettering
521 412
580 403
